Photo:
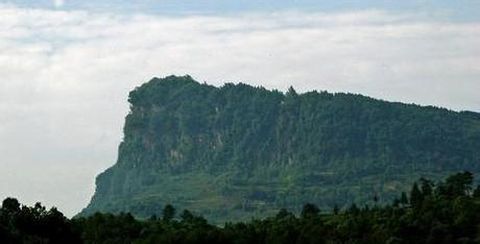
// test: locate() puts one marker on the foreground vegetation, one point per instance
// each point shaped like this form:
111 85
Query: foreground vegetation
445 212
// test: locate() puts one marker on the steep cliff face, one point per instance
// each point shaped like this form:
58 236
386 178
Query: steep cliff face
238 151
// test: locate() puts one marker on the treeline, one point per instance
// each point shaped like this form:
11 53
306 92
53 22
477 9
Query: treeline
443 212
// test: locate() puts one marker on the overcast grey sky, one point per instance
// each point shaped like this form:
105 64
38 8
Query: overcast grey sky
66 69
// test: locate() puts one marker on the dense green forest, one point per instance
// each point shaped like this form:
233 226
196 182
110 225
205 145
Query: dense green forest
441 212
237 151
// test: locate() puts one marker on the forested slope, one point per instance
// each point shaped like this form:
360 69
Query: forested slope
237 151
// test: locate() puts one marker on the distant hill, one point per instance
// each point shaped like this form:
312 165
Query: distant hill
235 152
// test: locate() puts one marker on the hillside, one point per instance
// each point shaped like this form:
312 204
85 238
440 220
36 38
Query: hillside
237 151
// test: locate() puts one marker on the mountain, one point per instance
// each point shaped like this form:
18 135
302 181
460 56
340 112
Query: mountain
237 151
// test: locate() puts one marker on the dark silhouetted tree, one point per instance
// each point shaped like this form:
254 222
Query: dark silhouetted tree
310 210
168 212
416 196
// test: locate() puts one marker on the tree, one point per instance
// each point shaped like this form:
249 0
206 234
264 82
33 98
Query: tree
416 196
291 92
153 217
375 198
336 209
440 220
309 211
476 192
186 216
354 210
282 213
11 205
459 184
404 198
426 186
168 213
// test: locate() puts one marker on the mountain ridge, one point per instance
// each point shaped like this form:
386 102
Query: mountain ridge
237 151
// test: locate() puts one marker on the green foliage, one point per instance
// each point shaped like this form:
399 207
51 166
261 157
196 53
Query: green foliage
236 152
416 196
439 218
168 212
457 185
22 224
11 205
309 211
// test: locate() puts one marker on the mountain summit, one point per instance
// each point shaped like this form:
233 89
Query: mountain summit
235 152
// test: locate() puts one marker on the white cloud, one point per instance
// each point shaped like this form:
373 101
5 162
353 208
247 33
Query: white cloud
58 3
66 76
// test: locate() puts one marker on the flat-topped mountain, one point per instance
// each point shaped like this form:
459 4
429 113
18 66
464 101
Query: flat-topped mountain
237 151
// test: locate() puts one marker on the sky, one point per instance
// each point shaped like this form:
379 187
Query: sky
66 68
